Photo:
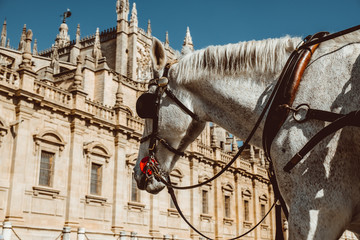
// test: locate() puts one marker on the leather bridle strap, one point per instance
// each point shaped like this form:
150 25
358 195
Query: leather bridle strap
181 105
153 137
350 119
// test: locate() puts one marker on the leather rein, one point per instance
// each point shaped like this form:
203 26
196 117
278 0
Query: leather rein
278 106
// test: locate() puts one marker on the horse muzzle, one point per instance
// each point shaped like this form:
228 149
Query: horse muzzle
147 175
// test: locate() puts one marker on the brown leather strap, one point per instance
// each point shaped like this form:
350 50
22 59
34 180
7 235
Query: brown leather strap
350 119
290 81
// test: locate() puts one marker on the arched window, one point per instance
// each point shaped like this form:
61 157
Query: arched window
246 194
263 199
228 190
49 145
97 155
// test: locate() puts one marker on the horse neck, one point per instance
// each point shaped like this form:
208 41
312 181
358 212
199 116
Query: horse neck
231 80
234 104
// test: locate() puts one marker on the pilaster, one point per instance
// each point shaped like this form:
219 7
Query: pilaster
238 217
20 132
120 176
72 212
256 210
194 196
218 200
154 229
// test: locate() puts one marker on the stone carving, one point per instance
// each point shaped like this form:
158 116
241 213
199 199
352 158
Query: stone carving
143 63
6 61
55 65
96 54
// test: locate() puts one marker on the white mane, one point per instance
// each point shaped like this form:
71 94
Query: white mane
235 59
253 57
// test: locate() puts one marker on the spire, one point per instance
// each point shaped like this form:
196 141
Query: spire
167 39
119 94
77 35
3 35
188 44
35 52
63 39
26 56
122 9
97 48
149 28
78 79
8 43
22 39
133 18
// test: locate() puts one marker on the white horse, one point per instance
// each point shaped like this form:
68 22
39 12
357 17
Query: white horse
229 85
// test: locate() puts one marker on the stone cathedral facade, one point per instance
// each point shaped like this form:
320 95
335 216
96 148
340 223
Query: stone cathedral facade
69 137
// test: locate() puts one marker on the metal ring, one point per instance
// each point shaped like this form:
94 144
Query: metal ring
298 117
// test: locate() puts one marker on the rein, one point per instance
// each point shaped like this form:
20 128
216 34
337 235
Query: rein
290 76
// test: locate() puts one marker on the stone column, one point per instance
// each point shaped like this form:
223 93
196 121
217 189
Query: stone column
7 231
81 234
66 233
133 235
122 235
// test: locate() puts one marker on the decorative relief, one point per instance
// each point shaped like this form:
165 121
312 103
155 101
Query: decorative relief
144 71
6 61
3 131
50 137
96 148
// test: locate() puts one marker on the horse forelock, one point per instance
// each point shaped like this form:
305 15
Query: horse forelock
232 60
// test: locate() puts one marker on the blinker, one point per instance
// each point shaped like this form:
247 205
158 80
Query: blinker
145 105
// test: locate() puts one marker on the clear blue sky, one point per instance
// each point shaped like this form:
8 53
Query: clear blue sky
211 22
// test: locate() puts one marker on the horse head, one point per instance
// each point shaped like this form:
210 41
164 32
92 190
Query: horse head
171 123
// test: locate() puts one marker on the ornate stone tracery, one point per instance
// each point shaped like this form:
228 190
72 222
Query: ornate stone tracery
144 69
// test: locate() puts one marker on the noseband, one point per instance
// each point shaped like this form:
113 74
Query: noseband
148 106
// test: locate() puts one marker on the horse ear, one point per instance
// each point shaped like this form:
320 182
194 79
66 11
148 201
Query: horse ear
158 56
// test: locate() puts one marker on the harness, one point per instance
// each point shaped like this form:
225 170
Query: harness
278 107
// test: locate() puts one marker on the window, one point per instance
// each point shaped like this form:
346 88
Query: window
205 201
246 210
263 212
227 206
135 193
96 177
46 168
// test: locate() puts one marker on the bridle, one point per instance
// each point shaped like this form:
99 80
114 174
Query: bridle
148 106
